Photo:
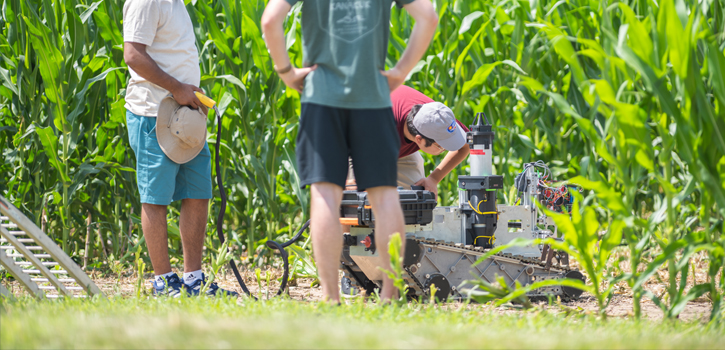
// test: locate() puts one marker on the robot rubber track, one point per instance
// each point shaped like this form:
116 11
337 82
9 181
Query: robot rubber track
451 270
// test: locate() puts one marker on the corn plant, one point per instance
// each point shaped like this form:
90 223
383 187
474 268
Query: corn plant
395 271
581 229
623 81
223 256
140 270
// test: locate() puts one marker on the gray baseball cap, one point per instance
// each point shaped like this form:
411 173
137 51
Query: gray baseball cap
436 121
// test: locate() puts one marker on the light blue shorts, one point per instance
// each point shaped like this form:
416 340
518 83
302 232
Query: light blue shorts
160 180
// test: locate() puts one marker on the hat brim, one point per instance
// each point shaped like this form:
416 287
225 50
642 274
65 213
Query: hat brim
455 141
172 146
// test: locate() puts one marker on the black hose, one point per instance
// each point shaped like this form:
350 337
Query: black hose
222 192
285 257
220 222
297 236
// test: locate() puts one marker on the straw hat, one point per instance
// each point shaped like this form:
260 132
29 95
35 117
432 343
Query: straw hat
180 130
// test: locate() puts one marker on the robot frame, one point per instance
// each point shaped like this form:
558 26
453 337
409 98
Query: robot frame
443 243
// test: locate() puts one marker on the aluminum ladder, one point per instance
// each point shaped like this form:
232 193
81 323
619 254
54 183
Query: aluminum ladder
36 262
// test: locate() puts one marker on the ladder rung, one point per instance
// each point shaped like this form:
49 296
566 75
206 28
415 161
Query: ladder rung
41 256
21 240
53 288
57 272
25 263
56 296
9 225
30 247
4 218
63 280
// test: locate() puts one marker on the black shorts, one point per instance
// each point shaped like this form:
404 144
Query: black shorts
329 135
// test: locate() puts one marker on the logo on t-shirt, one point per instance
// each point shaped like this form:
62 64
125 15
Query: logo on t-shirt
452 127
350 20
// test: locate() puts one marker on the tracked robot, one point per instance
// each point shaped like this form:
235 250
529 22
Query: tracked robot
443 243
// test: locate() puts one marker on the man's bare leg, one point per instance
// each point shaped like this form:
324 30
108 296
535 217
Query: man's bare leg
192 226
153 223
385 203
326 234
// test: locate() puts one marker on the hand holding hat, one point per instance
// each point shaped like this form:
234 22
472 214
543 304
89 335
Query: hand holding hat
187 94
180 130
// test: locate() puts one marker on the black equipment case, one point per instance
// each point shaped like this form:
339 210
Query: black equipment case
417 207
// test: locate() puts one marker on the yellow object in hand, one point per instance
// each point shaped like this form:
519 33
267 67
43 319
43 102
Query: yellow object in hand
205 100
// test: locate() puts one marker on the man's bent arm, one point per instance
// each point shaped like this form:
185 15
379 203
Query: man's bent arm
450 161
139 60
273 28
426 21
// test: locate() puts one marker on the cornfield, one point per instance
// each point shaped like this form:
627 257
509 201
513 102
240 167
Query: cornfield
625 98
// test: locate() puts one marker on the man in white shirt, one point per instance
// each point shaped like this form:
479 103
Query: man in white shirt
160 51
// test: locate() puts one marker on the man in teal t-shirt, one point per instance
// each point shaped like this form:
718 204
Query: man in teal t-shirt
346 112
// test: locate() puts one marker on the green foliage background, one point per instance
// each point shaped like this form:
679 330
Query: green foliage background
625 97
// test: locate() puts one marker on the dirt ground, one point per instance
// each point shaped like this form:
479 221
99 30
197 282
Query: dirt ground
303 290
621 306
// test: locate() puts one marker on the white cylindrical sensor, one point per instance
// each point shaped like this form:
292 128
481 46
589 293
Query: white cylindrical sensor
481 161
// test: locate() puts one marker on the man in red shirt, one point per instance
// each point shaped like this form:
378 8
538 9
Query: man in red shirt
431 127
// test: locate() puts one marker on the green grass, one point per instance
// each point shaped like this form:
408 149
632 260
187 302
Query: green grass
207 323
